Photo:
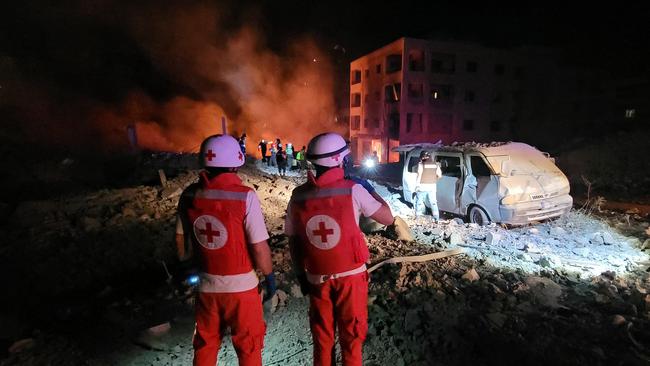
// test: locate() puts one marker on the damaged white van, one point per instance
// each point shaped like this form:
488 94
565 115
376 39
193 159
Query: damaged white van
511 183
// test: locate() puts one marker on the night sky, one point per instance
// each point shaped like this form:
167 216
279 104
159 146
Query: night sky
63 44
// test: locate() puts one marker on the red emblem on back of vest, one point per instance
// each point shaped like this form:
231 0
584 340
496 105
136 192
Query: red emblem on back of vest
323 232
210 232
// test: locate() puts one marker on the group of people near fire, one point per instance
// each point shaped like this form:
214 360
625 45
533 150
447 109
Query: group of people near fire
275 154
221 230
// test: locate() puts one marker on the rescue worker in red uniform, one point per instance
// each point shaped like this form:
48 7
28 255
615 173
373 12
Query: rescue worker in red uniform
329 251
228 239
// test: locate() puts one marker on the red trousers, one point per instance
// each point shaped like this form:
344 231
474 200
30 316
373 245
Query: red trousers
242 312
340 303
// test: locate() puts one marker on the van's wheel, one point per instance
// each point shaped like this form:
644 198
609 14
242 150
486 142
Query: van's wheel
477 215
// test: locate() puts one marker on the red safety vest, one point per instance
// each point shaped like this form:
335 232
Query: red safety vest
323 217
217 220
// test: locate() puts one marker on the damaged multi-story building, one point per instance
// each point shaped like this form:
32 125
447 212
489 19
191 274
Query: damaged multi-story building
415 90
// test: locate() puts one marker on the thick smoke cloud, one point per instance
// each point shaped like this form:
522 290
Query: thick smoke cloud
209 66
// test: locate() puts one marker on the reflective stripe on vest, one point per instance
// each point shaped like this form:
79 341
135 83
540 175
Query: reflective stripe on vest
227 283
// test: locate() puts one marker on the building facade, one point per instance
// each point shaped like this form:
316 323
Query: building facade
414 90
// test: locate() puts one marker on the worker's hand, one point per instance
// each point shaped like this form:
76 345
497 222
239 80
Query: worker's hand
269 282
399 230
304 284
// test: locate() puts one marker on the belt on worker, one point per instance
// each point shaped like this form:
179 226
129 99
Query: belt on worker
316 279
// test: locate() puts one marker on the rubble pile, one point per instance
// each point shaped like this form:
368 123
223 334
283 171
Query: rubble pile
570 291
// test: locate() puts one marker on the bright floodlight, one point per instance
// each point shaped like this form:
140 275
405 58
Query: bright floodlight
369 163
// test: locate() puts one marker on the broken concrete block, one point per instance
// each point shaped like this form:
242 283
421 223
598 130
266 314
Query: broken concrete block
402 230
438 232
493 238
557 231
171 192
471 275
456 239
544 291
533 230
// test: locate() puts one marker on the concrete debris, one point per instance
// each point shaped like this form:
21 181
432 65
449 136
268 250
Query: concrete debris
171 191
295 291
493 238
544 291
471 275
646 244
557 231
456 239
401 229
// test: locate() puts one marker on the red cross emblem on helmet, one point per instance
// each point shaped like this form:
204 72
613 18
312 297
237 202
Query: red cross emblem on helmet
210 232
323 232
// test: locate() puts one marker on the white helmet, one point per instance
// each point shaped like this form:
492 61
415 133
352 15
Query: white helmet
327 149
221 151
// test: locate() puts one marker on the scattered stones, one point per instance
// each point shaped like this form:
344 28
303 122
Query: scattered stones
171 191
544 291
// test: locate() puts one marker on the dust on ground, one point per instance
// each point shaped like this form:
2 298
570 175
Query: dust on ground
569 291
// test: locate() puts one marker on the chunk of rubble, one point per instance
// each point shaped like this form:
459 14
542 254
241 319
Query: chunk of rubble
544 291
456 239
295 291
646 244
493 238
602 238
471 275
557 231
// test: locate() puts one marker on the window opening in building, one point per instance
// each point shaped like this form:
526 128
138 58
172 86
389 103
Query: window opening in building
443 63
441 94
415 90
355 77
468 124
416 60
472 66
355 123
393 63
630 113
355 100
413 122
392 92
378 68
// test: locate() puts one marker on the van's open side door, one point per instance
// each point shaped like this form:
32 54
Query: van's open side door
410 175
449 186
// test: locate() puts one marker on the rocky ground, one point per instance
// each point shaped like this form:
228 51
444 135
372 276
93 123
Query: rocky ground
96 289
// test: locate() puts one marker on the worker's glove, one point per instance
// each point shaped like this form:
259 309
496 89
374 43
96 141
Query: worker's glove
269 282
364 183
304 284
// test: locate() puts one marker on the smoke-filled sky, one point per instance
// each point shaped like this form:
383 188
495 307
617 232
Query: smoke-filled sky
77 73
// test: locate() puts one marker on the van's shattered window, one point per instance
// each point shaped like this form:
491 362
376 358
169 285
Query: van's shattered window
450 165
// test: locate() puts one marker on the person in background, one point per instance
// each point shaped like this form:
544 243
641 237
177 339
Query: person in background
425 189
242 143
300 158
222 221
329 252
262 148
274 150
281 157
290 157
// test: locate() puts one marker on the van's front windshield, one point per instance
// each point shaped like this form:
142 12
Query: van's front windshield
522 162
